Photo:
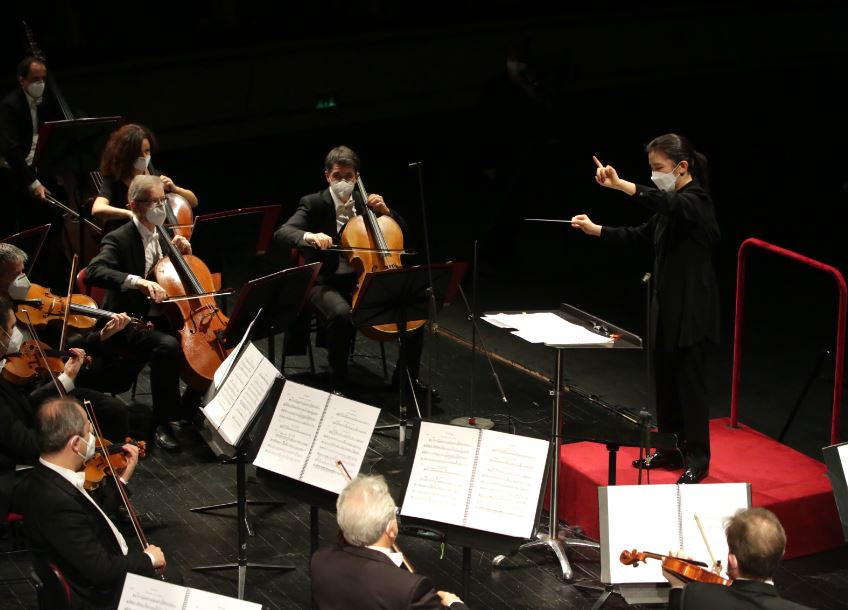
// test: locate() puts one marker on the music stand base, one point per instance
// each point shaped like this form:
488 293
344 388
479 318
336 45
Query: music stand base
473 422
543 542
242 571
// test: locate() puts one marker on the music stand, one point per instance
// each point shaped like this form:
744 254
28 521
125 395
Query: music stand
624 340
30 241
72 148
281 297
396 296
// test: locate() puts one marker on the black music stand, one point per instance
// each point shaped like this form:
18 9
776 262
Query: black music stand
281 297
72 148
30 241
622 340
240 450
396 296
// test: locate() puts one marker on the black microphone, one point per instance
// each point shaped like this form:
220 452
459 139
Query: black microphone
415 164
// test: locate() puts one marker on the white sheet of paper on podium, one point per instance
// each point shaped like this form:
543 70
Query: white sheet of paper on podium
143 593
312 429
659 519
546 327
476 478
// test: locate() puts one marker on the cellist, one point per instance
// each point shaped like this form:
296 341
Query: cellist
314 228
126 256
70 527
127 154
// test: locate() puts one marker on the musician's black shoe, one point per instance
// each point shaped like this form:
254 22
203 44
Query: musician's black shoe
164 438
693 474
660 459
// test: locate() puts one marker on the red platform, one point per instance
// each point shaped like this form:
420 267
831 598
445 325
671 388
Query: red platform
792 485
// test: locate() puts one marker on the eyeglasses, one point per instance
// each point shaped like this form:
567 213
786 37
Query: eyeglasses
161 202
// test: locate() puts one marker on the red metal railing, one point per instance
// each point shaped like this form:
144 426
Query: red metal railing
737 327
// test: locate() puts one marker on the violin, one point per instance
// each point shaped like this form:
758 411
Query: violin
108 456
199 321
33 361
42 306
373 244
685 569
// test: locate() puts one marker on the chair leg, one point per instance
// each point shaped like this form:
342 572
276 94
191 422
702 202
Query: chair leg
383 355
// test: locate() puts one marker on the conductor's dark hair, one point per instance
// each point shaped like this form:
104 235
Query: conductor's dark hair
26 62
678 148
342 155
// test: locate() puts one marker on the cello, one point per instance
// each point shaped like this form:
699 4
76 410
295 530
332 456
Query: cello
373 244
199 320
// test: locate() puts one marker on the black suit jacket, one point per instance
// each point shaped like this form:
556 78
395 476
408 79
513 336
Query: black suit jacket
316 213
16 124
741 595
683 235
18 443
121 254
62 524
356 578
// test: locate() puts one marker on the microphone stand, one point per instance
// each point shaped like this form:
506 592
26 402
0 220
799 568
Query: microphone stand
432 323
479 422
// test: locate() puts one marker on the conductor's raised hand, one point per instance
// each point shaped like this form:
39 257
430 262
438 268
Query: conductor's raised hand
585 224
605 175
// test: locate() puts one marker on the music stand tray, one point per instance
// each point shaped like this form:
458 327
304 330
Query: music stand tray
396 296
623 340
73 146
281 297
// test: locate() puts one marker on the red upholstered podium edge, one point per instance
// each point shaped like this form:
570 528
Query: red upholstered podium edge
795 487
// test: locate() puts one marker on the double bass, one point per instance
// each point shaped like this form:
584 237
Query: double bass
373 244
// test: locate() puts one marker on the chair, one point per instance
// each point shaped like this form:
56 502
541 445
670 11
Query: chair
51 586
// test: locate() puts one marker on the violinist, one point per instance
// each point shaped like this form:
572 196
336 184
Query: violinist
128 153
126 257
313 228
67 525
116 418
756 542
364 571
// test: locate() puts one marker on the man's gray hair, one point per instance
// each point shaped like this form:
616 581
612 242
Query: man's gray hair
364 509
141 186
56 421
11 254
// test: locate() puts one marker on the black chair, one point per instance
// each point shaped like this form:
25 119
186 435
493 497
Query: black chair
52 589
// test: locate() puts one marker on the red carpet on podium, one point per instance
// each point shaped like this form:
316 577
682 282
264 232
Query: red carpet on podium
795 487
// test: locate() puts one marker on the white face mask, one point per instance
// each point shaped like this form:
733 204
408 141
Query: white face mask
16 339
342 189
19 288
36 89
90 445
665 181
156 214
141 163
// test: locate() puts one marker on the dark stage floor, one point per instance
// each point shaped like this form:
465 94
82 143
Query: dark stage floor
169 485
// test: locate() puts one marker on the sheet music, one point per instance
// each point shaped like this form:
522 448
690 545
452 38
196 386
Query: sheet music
546 327
344 434
143 593
222 371
242 394
292 429
440 480
310 430
510 470
649 518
